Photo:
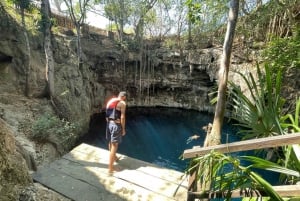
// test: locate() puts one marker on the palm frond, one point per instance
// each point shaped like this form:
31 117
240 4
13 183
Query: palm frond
266 186
270 166
259 113
227 173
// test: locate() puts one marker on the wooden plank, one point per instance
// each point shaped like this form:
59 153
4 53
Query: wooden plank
89 153
288 190
149 182
274 141
97 176
168 175
71 187
283 191
85 148
141 174
87 165
192 186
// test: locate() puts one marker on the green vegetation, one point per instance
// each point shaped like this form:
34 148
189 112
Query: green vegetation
283 53
49 126
32 17
291 123
258 115
227 173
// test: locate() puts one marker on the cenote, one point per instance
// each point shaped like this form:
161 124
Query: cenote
159 135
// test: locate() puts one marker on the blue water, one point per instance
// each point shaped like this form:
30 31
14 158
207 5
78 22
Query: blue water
159 135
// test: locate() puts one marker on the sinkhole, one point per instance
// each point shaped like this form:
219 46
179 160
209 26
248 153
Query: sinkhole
159 135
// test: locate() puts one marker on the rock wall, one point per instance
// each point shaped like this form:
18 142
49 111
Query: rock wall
160 77
14 174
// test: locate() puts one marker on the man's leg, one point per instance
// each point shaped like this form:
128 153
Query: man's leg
112 155
116 157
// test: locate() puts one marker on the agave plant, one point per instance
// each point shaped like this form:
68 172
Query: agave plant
259 114
290 123
291 160
227 173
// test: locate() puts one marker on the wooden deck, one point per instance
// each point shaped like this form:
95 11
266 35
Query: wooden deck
82 175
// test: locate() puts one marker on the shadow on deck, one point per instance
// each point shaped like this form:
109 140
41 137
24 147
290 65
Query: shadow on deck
82 175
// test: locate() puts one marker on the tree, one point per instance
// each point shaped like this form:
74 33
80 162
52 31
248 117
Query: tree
288 6
214 137
77 14
45 11
119 12
165 16
25 5
145 7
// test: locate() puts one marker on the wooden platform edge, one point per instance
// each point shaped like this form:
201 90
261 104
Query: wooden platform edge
245 145
283 191
85 167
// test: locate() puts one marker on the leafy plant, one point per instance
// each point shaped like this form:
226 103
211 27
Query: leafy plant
283 53
259 115
291 153
290 123
227 173
48 125
291 160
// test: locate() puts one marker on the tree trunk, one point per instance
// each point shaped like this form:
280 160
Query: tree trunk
27 55
122 24
79 48
45 10
189 32
139 31
214 137
78 19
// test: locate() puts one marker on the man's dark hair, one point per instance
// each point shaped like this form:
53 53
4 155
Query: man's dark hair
122 93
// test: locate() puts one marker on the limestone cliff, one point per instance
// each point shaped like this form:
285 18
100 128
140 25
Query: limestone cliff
14 175
170 80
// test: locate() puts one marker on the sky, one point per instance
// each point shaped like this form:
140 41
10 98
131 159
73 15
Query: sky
92 18
97 20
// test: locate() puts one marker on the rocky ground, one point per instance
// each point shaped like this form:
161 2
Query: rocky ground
38 192
17 115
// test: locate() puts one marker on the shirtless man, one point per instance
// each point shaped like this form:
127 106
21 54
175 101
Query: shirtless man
115 117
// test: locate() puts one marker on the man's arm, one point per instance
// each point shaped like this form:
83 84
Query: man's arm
123 118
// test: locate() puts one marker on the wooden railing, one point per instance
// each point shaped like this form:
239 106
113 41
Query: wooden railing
253 144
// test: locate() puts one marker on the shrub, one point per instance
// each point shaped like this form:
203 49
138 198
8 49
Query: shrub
50 125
